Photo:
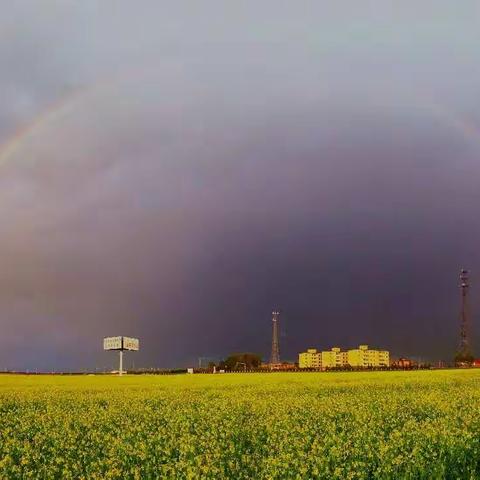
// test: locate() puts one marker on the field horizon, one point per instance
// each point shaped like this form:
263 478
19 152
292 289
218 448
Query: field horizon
402 424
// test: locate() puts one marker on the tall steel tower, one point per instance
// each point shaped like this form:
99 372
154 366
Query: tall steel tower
275 357
464 355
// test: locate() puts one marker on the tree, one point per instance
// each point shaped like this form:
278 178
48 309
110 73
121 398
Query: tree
240 361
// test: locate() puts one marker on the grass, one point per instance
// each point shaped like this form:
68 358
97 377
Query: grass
385 425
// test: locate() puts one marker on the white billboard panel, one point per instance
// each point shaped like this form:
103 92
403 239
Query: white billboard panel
131 343
112 343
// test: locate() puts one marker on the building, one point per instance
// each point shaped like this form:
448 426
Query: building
365 357
283 366
402 363
361 357
334 358
312 358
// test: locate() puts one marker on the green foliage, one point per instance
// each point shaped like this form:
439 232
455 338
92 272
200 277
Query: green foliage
242 360
375 425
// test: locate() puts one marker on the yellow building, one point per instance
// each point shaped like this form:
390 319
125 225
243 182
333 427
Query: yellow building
310 359
334 358
364 357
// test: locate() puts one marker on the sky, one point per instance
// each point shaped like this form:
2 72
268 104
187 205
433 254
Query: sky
174 171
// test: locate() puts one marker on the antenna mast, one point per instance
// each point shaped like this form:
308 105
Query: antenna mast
464 356
275 357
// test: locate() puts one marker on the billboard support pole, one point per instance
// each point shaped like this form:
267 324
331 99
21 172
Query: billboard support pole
120 370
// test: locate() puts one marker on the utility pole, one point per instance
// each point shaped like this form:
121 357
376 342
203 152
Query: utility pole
275 356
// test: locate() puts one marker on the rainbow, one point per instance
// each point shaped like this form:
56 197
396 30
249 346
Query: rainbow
49 116
67 104
467 129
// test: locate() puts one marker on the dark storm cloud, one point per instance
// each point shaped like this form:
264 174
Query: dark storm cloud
206 163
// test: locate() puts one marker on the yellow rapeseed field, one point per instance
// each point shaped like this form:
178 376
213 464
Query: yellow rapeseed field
385 425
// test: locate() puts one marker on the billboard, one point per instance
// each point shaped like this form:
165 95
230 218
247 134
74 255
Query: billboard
112 343
121 343
131 343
